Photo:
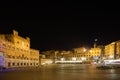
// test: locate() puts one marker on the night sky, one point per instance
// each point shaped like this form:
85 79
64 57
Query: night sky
61 25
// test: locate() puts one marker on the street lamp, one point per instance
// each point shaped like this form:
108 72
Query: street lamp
74 58
62 59
111 56
83 58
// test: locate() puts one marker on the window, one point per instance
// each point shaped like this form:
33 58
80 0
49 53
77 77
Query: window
9 64
24 63
27 45
17 42
17 64
30 63
13 64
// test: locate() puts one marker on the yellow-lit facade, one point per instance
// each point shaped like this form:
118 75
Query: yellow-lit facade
17 52
79 53
112 50
109 51
87 55
118 49
67 55
34 57
95 53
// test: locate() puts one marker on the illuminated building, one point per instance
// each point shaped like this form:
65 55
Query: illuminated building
110 51
117 49
87 55
79 53
17 52
95 53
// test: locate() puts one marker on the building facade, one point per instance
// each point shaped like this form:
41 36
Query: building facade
112 50
95 53
83 54
16 51
79 53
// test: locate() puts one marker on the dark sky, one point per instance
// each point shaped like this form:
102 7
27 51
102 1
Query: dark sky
61 25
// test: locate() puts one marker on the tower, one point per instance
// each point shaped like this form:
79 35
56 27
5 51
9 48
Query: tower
95 44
